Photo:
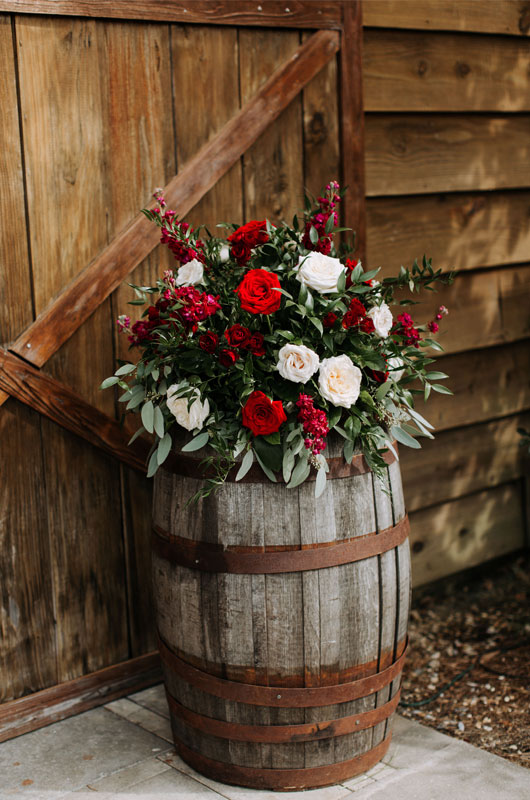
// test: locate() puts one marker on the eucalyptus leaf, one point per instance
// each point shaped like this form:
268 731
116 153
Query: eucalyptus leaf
148 416
164 448
158 422
135 436
270 454
246 463
300 472
348 451
437 387
270 475
287 464
196 443
125 369
320 483
152 465
404 437
108 382
383 390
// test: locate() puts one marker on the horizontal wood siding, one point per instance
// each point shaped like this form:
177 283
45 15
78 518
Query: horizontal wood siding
454 184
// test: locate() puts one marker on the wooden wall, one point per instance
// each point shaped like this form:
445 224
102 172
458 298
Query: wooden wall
96 113
447 102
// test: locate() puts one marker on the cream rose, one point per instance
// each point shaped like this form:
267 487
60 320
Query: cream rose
382 318
339 381
397 368
224 253
188 418
297 363
319 272
190 273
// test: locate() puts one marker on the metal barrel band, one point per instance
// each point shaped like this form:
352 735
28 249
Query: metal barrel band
283 779
208 557
189 467
275 696
278 734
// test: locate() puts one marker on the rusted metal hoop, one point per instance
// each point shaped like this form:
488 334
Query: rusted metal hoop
277 734
283 779
189 467
280 697
209 557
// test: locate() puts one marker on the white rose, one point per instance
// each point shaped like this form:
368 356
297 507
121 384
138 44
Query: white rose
224 253
397 368
339 381
190 273
297 363
189 418
382 318
319 272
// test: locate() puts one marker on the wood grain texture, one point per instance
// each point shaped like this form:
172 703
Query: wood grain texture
410 71
509 17
107 270
273 169
27 640
352 124
462 461
461 231
15 282
465 532
487 384
486 308
62 406
321 128
73 697
417 154
270 13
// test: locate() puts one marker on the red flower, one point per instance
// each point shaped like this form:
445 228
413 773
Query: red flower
262 415
329 320
245 238
208 342
354 315
257 292
228 357
433 327
255 344
367 325
237 335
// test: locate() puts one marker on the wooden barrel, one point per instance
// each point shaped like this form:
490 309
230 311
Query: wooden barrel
282 621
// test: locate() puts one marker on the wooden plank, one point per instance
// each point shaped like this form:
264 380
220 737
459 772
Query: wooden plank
15 283
416 154
73 697
462 461
62 406
461 231
79 300
507 17
352 125
273 168
269 13
487 384
498 300
321 128
409 71
27 641
460 534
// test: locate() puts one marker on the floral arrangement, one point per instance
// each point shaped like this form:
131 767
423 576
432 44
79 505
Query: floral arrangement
265 341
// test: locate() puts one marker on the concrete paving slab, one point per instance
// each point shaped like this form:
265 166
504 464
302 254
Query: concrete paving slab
153 698
240 793
144 717
121 780
72 753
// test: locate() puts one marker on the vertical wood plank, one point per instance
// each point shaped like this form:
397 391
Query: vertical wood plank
273 169
352 123
27 636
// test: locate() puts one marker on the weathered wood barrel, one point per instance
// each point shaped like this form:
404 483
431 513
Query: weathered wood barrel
282 621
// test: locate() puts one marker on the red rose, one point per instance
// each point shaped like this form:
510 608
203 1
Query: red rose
380 377
208 341
237 335
245 238
329 320
257 292
262 415
255 344
228 357
354 315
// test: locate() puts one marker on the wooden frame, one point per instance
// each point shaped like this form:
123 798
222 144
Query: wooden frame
338 30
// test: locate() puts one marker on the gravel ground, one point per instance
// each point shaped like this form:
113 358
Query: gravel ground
477 624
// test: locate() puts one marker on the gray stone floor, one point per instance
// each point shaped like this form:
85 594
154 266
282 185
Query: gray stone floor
124 750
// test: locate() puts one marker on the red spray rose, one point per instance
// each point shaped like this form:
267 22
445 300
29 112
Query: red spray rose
208 342
228 357
262 415
255 344
329 319
257 292
245 238
237 335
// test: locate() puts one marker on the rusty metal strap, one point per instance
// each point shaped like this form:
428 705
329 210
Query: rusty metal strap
283 779
189 466
208 557
279 697
277 734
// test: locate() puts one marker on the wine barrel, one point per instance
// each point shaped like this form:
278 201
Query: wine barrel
282 620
